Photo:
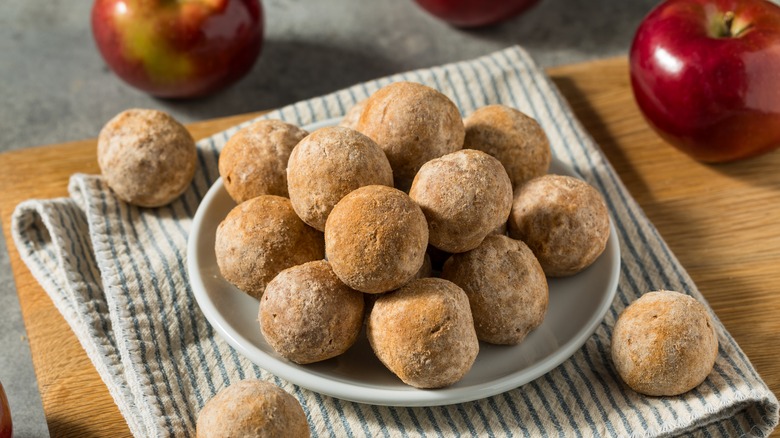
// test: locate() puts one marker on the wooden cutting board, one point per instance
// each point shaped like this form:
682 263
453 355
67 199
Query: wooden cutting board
721 221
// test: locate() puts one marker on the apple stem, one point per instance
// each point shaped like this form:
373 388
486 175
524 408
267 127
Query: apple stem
728 29
728 21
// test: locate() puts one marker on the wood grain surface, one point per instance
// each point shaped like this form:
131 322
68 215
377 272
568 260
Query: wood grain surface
721 221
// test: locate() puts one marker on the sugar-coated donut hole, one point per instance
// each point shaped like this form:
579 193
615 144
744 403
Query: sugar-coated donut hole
465 196
506 287
329 164
564 220
424 333
413 124
515 139
253 161
260 238
664 344
375 239
308 315
146 157
255 408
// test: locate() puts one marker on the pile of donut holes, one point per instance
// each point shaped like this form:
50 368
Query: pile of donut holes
431 231
344 228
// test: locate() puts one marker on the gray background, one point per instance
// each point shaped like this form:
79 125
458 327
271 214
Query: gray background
54 87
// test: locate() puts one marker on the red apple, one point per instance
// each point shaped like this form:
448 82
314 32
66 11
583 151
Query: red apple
706 76
6 427
475 13
178 48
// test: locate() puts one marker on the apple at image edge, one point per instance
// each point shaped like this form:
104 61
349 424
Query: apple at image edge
178 49
706 76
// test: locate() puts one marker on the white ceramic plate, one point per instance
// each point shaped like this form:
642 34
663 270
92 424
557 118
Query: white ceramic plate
577 306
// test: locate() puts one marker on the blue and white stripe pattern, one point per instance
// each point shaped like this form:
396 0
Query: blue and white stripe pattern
117 273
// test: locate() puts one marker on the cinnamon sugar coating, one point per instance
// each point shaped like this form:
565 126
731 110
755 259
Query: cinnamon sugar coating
260 238
515 139
308 315
413 124
564 221
664 344
424 333
506 286
252 408
253 162
146 157
327 165
465 196
375 239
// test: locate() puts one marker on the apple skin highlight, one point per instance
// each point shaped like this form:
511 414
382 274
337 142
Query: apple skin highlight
706 76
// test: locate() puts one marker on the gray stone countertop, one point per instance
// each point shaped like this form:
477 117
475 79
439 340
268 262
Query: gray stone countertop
54 86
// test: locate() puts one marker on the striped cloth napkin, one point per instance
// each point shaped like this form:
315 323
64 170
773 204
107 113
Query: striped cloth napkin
117 273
